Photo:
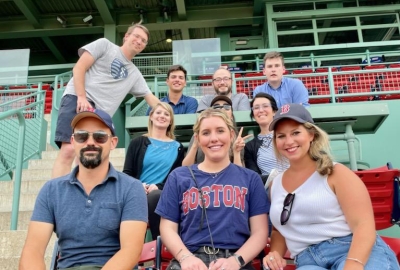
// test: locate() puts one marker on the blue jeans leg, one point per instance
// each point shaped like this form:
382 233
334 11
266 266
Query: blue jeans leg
331 254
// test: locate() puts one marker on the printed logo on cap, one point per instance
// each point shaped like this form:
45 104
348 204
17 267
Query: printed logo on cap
285 109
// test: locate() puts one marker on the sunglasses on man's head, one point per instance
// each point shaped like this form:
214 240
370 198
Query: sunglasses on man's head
98 136
225 106
288 202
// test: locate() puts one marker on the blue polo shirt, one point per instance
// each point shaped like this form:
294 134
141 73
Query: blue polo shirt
185 105
290 91
88 227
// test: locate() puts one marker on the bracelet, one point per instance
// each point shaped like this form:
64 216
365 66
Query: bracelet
184 257
178 252
356 260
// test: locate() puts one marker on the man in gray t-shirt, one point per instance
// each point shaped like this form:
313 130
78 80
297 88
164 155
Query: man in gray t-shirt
222 82
102 77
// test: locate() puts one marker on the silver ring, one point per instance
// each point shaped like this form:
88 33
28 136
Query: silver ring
271 258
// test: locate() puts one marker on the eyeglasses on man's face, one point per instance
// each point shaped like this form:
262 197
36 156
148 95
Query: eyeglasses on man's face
218 79
82 136
144 41
287 203
225 107
261 107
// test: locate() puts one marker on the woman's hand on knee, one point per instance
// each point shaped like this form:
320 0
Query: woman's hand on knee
224 264
193 263
274 261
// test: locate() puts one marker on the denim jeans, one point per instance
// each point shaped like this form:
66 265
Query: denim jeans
85 267
207 259
332 254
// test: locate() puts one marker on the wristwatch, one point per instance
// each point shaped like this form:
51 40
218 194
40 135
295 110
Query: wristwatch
239 259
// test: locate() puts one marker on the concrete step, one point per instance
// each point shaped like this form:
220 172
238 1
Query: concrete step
52 155
45 174
38 164
11 244
26 202
23 220
7 187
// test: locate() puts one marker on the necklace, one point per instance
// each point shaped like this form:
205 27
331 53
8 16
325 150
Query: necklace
214 175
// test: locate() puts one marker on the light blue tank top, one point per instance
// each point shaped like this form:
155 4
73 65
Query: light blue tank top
158 160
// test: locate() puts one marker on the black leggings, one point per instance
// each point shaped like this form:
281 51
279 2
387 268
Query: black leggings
154 219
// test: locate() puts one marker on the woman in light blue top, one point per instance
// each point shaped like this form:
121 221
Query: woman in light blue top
153 156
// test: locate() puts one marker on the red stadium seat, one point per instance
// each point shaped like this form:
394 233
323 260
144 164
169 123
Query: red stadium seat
379 183
325 69
302 71
349 68
380 66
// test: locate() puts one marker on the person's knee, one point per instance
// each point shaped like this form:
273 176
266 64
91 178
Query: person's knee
153 198
67 153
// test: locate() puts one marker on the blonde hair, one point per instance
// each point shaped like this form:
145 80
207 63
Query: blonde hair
137 25
213 113
319 150
272 55
171 127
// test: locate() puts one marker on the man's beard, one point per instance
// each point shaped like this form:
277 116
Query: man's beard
225 93
92 161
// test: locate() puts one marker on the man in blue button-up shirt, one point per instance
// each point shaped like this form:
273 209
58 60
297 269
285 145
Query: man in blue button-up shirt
284 90
176 81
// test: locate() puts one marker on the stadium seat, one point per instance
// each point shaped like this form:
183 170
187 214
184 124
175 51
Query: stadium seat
380 66
325 69
254 74
349 68
380 184
394 65
205 77
302 71
15 87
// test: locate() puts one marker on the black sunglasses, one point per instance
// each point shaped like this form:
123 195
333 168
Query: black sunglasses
98 136
226 107
288 202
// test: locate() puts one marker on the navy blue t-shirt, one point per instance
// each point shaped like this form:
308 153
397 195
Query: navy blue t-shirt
231 198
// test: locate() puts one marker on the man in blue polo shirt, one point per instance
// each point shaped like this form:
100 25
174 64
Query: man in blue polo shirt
98 214
284 90
176 81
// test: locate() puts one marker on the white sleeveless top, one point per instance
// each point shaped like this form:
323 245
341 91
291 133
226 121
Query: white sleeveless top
316 214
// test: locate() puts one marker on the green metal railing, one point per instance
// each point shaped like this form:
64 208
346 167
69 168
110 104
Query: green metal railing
21 121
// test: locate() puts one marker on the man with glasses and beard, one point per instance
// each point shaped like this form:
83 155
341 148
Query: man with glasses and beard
103 76
98 214
222 82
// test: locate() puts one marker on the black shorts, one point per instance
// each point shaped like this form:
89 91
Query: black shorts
66 113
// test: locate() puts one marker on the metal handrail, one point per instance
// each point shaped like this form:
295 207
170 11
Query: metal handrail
19 160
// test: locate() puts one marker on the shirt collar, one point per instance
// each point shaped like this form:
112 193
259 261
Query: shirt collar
181 100
280 86
112 174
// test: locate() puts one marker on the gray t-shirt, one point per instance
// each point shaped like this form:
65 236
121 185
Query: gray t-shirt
111 77
240 102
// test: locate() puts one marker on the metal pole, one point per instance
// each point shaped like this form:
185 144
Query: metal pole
18 172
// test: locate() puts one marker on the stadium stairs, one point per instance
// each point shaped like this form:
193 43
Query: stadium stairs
33 178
